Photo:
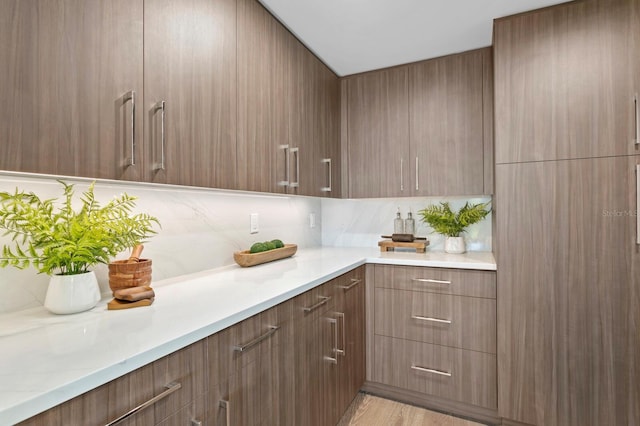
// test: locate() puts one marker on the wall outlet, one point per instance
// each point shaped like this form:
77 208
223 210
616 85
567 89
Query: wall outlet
312 220
253 223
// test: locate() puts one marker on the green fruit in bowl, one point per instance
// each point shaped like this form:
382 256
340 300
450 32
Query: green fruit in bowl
258 247
269 245
278 243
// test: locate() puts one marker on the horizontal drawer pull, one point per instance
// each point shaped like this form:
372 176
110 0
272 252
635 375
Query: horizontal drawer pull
431 370
171 388
443 321
242 348
324 300
354 282
430 280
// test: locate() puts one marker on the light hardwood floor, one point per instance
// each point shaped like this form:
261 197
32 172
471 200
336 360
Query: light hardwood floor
369 410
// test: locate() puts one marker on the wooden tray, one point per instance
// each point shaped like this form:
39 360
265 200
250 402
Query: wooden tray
388 245
245 258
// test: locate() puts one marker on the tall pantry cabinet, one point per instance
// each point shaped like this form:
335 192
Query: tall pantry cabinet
567 186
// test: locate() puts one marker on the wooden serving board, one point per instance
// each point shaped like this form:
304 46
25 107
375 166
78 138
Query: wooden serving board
388 245
245 258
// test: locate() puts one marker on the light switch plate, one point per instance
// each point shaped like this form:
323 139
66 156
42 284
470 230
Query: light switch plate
253 223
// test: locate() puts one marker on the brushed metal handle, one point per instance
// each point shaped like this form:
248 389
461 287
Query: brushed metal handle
342 351
296 152
354 282
170 388
431 319
285 182
401 174
224 404
638 204
431 370
161 107
430 280
324 300
417 174
131 96
637 114
246 346
328 187
333 360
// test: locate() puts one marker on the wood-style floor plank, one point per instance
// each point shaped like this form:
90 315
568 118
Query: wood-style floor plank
369 410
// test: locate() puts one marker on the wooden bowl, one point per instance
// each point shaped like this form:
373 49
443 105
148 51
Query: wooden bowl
246 259
124 275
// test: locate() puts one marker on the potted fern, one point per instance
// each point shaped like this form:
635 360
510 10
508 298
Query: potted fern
451 224
65 243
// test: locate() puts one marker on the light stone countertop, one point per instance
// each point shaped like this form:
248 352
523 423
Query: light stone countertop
46 359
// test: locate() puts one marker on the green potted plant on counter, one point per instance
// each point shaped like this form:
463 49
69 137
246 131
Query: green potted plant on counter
66 243
451 224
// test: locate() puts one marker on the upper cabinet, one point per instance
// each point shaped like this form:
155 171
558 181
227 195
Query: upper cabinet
71 75
190 92
377 105
422 129
565 84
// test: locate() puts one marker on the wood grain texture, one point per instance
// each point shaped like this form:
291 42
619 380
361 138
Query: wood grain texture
369 410
473 374
378 134
567 292
564 82
473 319
460 282
190 63
446 125
350 306
66 67
487 120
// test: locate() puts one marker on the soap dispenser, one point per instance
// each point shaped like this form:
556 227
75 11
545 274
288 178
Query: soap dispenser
398 224
410 224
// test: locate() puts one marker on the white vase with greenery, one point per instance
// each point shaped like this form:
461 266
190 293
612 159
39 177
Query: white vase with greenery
452 224
65 243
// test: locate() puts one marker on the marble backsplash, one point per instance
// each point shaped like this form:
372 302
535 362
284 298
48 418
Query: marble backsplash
201 228
361 222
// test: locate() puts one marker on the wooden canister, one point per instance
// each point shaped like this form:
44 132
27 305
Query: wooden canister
124 274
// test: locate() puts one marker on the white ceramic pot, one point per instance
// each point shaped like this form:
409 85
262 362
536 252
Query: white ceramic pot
69 294
454 245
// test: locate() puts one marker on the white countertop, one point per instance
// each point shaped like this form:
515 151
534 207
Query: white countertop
46 359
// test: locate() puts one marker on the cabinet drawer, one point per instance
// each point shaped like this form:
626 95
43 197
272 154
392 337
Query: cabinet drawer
456 374
458 321
461 282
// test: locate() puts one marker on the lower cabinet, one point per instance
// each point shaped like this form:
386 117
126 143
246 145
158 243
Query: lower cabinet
298 363
432 338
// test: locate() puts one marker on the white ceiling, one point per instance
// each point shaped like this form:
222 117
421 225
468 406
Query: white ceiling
353 36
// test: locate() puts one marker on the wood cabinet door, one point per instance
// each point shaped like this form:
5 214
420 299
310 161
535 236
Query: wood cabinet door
67 66
564 82
262 49
378 134
568 298
190 65
446 124
350 313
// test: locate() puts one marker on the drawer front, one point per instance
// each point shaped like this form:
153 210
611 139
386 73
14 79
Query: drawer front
460 282
458 321
457 374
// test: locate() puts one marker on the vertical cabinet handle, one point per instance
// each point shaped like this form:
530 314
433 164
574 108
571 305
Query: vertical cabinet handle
638 204
170 388
328 187
342 351
296 152
131 96
417 174
160 106
285 182
224 404
334 323
401 174
637 116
